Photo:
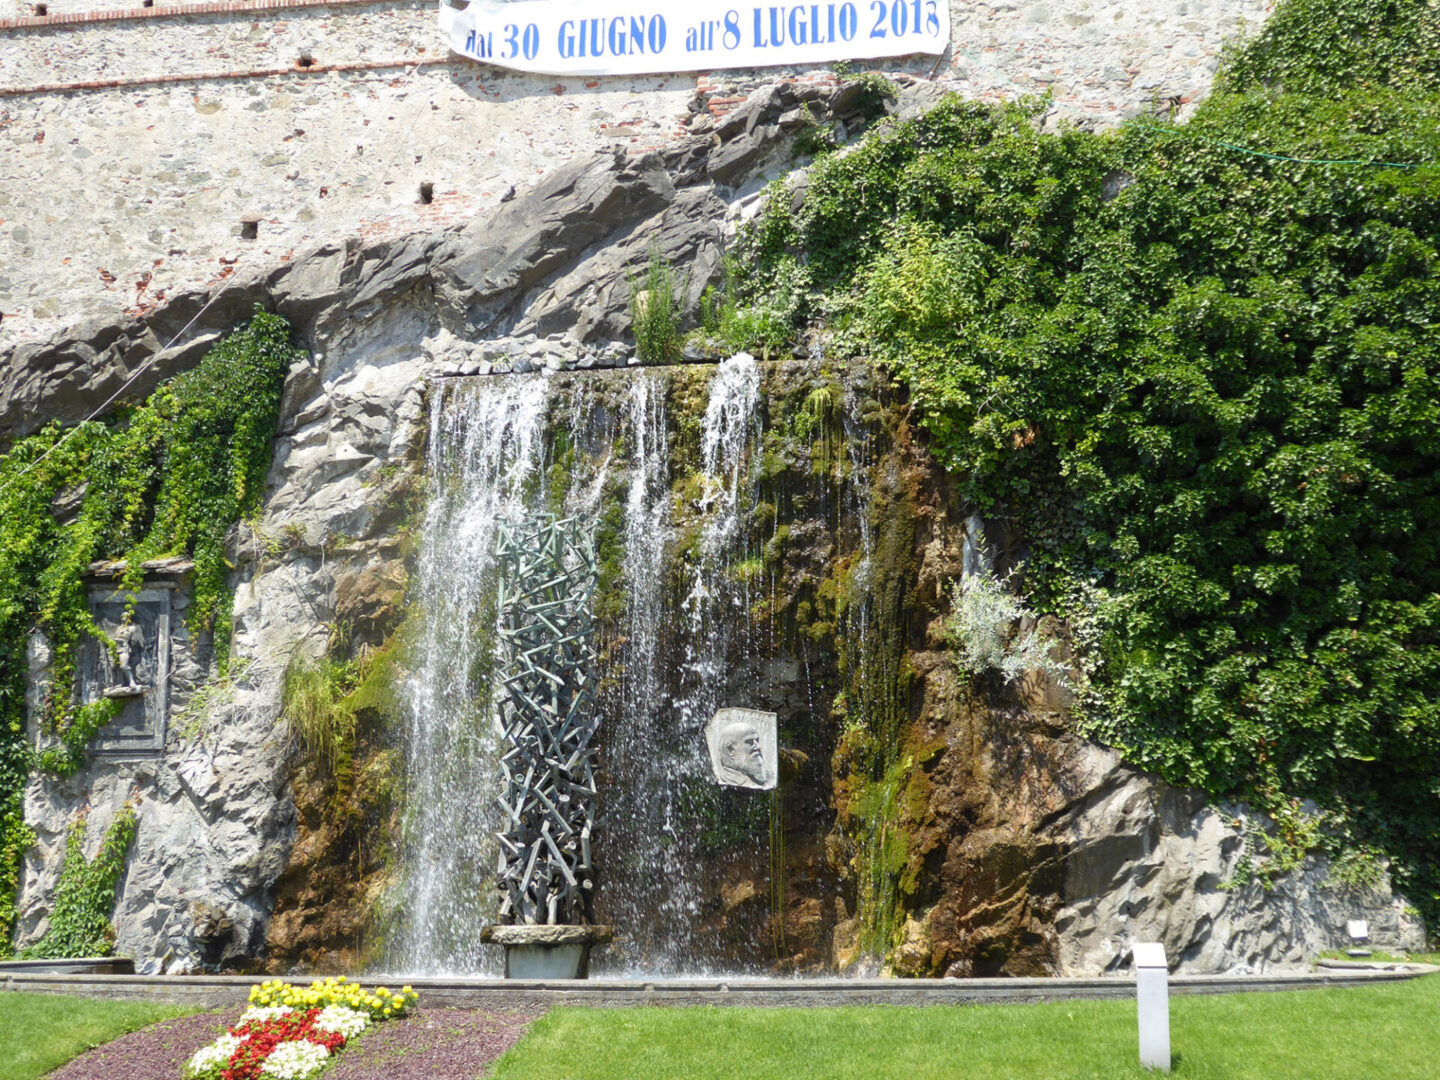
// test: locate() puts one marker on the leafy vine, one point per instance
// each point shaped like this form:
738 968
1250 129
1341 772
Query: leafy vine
1199 366
164 479
85 896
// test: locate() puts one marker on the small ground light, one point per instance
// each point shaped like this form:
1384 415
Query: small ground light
1358 931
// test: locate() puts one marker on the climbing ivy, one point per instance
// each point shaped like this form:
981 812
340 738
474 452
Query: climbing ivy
1201 367
85 895
1316 46
165 479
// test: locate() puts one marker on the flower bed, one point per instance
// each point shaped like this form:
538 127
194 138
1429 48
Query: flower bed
290 1032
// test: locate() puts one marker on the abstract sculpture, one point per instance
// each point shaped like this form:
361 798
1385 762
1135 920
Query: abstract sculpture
547 710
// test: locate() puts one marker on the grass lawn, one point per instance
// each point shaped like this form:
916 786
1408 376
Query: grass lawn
40 1032
1362 1033
1380 957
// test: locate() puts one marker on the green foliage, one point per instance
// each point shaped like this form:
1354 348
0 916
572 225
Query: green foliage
875 92
884 847
85 896
1209 382
326 701
761 325
68 755
1315 46
984 628
1266 855
316 711
168 478
655 314
818 419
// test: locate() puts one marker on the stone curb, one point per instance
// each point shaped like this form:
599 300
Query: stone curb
217 990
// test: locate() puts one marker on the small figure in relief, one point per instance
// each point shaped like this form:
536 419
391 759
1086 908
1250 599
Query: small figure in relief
122 670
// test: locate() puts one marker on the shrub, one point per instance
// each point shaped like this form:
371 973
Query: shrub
984 629
1197 367
654 313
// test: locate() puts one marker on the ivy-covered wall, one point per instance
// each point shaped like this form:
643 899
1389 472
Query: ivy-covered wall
1197 366
168 478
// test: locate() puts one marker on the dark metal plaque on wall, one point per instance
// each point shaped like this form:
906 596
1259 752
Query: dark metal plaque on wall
135 672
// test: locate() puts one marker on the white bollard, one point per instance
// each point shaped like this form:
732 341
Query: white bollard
1152 999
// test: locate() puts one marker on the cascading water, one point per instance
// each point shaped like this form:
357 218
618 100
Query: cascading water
671 499
673 678
485 464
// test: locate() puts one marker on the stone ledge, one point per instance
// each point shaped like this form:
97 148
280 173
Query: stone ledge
171 11
88 965
239 73
217 990
547 935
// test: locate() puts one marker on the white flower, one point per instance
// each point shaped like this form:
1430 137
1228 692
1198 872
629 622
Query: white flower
216 1053
295 1060
348 1022
258 1014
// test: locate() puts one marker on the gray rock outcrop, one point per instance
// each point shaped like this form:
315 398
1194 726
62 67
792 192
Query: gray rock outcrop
538 285
1148 862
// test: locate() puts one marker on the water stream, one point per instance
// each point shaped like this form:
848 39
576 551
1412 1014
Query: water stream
600 444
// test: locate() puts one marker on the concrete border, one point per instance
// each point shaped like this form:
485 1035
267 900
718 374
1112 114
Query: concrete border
217 990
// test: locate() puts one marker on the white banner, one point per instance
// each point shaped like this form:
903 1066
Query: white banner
627 37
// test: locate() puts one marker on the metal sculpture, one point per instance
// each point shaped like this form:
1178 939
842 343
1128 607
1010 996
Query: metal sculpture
547 711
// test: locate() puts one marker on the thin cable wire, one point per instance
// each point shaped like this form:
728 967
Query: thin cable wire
1196 137
215 295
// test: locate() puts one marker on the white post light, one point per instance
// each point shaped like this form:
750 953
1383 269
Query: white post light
1358 930
1152 999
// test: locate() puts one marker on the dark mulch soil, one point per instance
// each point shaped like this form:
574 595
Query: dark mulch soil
433 1044
152 1053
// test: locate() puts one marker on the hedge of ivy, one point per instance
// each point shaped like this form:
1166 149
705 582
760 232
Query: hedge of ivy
80 920
1206 379
165 479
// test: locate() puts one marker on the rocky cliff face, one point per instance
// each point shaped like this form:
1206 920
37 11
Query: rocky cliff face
937 824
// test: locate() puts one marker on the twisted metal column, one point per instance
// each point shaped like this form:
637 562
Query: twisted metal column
547 710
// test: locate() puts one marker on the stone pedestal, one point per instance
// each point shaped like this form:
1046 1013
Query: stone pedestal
547 952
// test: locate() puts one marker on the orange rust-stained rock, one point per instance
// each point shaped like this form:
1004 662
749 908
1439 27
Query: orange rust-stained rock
325 901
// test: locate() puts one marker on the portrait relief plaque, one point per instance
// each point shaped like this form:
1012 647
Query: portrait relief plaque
135 673
743 751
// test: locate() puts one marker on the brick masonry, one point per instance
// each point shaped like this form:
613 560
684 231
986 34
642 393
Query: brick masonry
134 140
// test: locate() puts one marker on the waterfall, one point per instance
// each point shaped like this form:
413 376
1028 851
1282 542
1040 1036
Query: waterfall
598 444
674 659
485 463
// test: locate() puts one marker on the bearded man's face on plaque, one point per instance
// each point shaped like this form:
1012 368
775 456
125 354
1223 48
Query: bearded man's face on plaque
742 748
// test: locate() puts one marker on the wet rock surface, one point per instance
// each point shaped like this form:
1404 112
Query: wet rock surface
1021 849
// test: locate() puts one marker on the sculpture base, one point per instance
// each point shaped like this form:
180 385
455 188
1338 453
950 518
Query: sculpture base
547 952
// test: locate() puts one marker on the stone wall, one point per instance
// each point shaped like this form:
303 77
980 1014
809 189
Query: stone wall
135 140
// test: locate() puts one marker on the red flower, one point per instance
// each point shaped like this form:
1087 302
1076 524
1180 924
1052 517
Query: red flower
262 1036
